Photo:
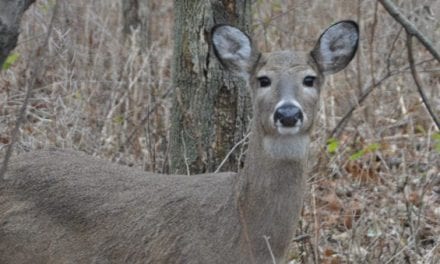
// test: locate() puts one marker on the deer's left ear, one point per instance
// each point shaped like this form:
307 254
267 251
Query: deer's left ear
336 47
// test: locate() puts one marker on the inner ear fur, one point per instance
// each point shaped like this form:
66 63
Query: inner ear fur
234 49
336 46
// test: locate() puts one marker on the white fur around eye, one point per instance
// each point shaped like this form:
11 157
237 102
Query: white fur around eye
311 92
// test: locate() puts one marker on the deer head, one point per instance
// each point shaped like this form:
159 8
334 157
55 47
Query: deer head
285 85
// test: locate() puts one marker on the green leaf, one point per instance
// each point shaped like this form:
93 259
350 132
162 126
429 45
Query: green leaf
332 145
276 7
11 59
77 95
372 147
48 6
357 155
420 129
119 119
436 138
368 149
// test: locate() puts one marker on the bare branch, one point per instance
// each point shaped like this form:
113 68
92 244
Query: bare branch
231 151
417 80
361 99
266 238
393 10
364 96
144 120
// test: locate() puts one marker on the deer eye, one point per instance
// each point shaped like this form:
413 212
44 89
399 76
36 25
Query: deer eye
309 81
264 81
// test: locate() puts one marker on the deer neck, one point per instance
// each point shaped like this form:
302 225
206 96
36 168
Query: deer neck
270 192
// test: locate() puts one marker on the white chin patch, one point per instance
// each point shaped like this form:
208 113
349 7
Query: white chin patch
287 148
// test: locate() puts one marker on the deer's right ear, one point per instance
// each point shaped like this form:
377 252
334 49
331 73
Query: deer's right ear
234 49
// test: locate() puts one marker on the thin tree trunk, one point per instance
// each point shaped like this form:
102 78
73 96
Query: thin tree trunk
136 18
211 108
11 12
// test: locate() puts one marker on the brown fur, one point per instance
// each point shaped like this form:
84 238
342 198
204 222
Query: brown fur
66 207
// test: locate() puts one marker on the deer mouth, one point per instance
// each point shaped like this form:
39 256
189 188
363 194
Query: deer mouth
282 130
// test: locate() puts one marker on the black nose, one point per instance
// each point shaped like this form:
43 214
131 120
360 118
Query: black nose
288 115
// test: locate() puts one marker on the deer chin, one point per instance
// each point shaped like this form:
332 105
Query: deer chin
287 147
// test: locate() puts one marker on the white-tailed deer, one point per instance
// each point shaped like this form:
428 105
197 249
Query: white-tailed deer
66 207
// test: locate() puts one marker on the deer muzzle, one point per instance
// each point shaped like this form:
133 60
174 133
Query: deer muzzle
288 116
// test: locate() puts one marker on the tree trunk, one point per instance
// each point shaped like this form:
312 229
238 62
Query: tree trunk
11 12
211 108
136 15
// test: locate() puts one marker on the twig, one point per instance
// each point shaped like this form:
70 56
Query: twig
391 51
36 71
316 226
417 80
364 96
185 157
400 251
371 53
412 228
144 120
411 29
231 151
361 99
266 238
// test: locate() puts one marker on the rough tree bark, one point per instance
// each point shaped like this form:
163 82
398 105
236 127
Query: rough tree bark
211 108
11 12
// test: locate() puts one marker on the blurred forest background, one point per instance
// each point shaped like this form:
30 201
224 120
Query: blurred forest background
374 181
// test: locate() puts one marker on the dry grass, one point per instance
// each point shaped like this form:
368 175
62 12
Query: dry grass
375 187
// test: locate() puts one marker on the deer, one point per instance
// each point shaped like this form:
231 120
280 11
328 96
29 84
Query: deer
63 206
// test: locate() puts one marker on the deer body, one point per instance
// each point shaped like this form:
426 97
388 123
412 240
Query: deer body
111 214
66 207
